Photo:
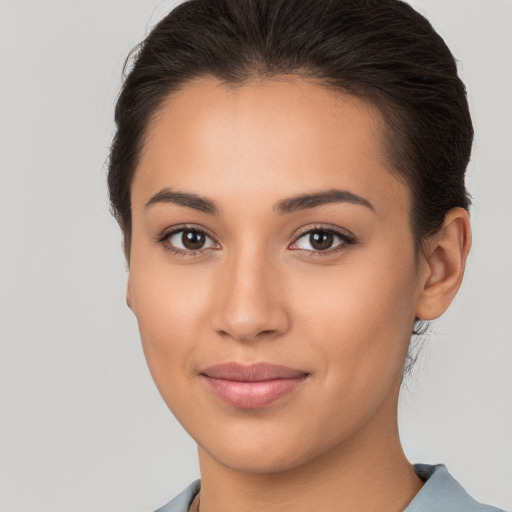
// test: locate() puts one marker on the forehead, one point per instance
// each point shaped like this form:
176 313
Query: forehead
267 137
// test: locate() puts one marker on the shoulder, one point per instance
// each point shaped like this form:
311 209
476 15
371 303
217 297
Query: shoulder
181 503
442 493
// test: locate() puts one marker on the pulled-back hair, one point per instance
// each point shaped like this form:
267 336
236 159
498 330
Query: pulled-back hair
380 50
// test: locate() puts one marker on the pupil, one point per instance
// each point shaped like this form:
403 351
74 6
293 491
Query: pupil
192 239
321 240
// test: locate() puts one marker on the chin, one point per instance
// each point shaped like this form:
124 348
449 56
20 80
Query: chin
265 450
257 462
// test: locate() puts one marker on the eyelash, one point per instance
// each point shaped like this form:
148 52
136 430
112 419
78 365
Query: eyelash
181 252
345 241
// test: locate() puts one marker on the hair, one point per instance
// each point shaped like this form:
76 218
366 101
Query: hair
380 50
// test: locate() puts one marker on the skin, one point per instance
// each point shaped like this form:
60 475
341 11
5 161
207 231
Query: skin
259 291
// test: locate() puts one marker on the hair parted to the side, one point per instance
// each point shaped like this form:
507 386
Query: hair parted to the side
380 50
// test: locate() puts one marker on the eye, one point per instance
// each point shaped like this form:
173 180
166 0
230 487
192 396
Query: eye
187 240
322 240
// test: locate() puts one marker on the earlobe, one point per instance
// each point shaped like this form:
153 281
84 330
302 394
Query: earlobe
446 255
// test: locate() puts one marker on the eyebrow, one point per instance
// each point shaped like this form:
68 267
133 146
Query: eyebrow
185 199
305 201
289 205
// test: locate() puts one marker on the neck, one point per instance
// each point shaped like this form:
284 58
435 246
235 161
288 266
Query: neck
365 473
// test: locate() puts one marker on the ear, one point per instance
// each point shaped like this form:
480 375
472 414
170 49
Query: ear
444 263
129 296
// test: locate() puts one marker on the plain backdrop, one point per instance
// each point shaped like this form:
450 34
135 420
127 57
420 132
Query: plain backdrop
82 425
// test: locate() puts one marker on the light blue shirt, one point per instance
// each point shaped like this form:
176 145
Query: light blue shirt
441 493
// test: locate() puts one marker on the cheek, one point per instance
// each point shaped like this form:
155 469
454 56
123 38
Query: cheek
170 303
361 315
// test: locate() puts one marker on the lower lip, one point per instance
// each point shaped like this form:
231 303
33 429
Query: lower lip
252 395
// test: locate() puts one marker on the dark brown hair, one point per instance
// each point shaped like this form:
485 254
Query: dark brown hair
380 50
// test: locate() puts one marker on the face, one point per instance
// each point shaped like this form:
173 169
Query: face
272 271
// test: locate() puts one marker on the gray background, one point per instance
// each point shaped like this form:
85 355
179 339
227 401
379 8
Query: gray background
82 425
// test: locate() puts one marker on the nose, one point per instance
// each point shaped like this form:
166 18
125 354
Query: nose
250 302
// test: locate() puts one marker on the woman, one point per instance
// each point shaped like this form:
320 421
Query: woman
289 179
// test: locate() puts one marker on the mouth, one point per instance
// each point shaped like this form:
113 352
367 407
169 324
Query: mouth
252 386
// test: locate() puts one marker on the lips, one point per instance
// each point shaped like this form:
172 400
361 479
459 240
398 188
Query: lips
252 386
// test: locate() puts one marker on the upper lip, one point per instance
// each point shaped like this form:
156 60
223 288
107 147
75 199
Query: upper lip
253 372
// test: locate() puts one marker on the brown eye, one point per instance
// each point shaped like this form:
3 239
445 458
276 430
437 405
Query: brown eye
189 240
321 240
192 240
318 240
